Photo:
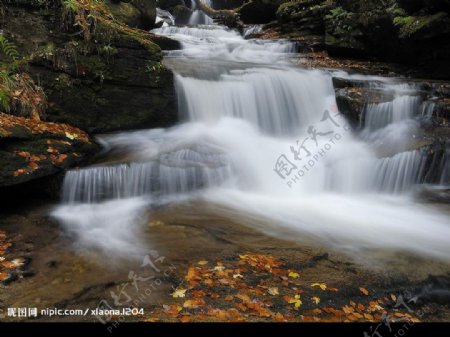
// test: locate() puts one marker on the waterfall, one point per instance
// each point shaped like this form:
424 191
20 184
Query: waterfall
198 17
183 171
262 144
255 29
278 101
383 114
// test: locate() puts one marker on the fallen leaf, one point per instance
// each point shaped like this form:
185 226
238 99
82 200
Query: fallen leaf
238 276
172 310
348 309
322 286
179 293
296 301
315 299
202 262
273 291
71 135
194 304
293 274
364 291
33 165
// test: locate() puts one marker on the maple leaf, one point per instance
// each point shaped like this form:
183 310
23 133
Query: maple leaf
179 293
293 274
296 301
364 291
315 299
322 286
273 291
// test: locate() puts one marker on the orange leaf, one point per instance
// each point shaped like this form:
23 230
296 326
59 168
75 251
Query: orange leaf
364 291
229 298
194 304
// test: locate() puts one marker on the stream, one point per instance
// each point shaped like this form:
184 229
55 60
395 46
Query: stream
261 143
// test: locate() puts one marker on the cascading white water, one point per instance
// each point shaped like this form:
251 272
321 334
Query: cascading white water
278 155
276 100
181 171
198 17
218 43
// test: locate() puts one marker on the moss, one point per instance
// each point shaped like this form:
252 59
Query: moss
411 25
94 66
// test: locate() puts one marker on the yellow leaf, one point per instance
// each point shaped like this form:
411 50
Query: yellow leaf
219 268
71 135
293 274
364 291
273 291
202 262
316 299
237 276
296 301
322 286
179 293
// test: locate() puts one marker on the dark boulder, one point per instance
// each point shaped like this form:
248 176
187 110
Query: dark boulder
258 11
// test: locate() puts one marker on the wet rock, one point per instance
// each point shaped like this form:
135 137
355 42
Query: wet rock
135 13
182 14
170 4
115 81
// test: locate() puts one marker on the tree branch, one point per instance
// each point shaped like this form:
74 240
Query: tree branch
229 13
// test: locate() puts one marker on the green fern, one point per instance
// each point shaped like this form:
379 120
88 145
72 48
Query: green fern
4 100
71 5
8 48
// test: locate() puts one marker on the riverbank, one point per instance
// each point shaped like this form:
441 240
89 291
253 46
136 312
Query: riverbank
221 271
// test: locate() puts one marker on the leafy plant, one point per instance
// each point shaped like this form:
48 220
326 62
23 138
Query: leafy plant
8 48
